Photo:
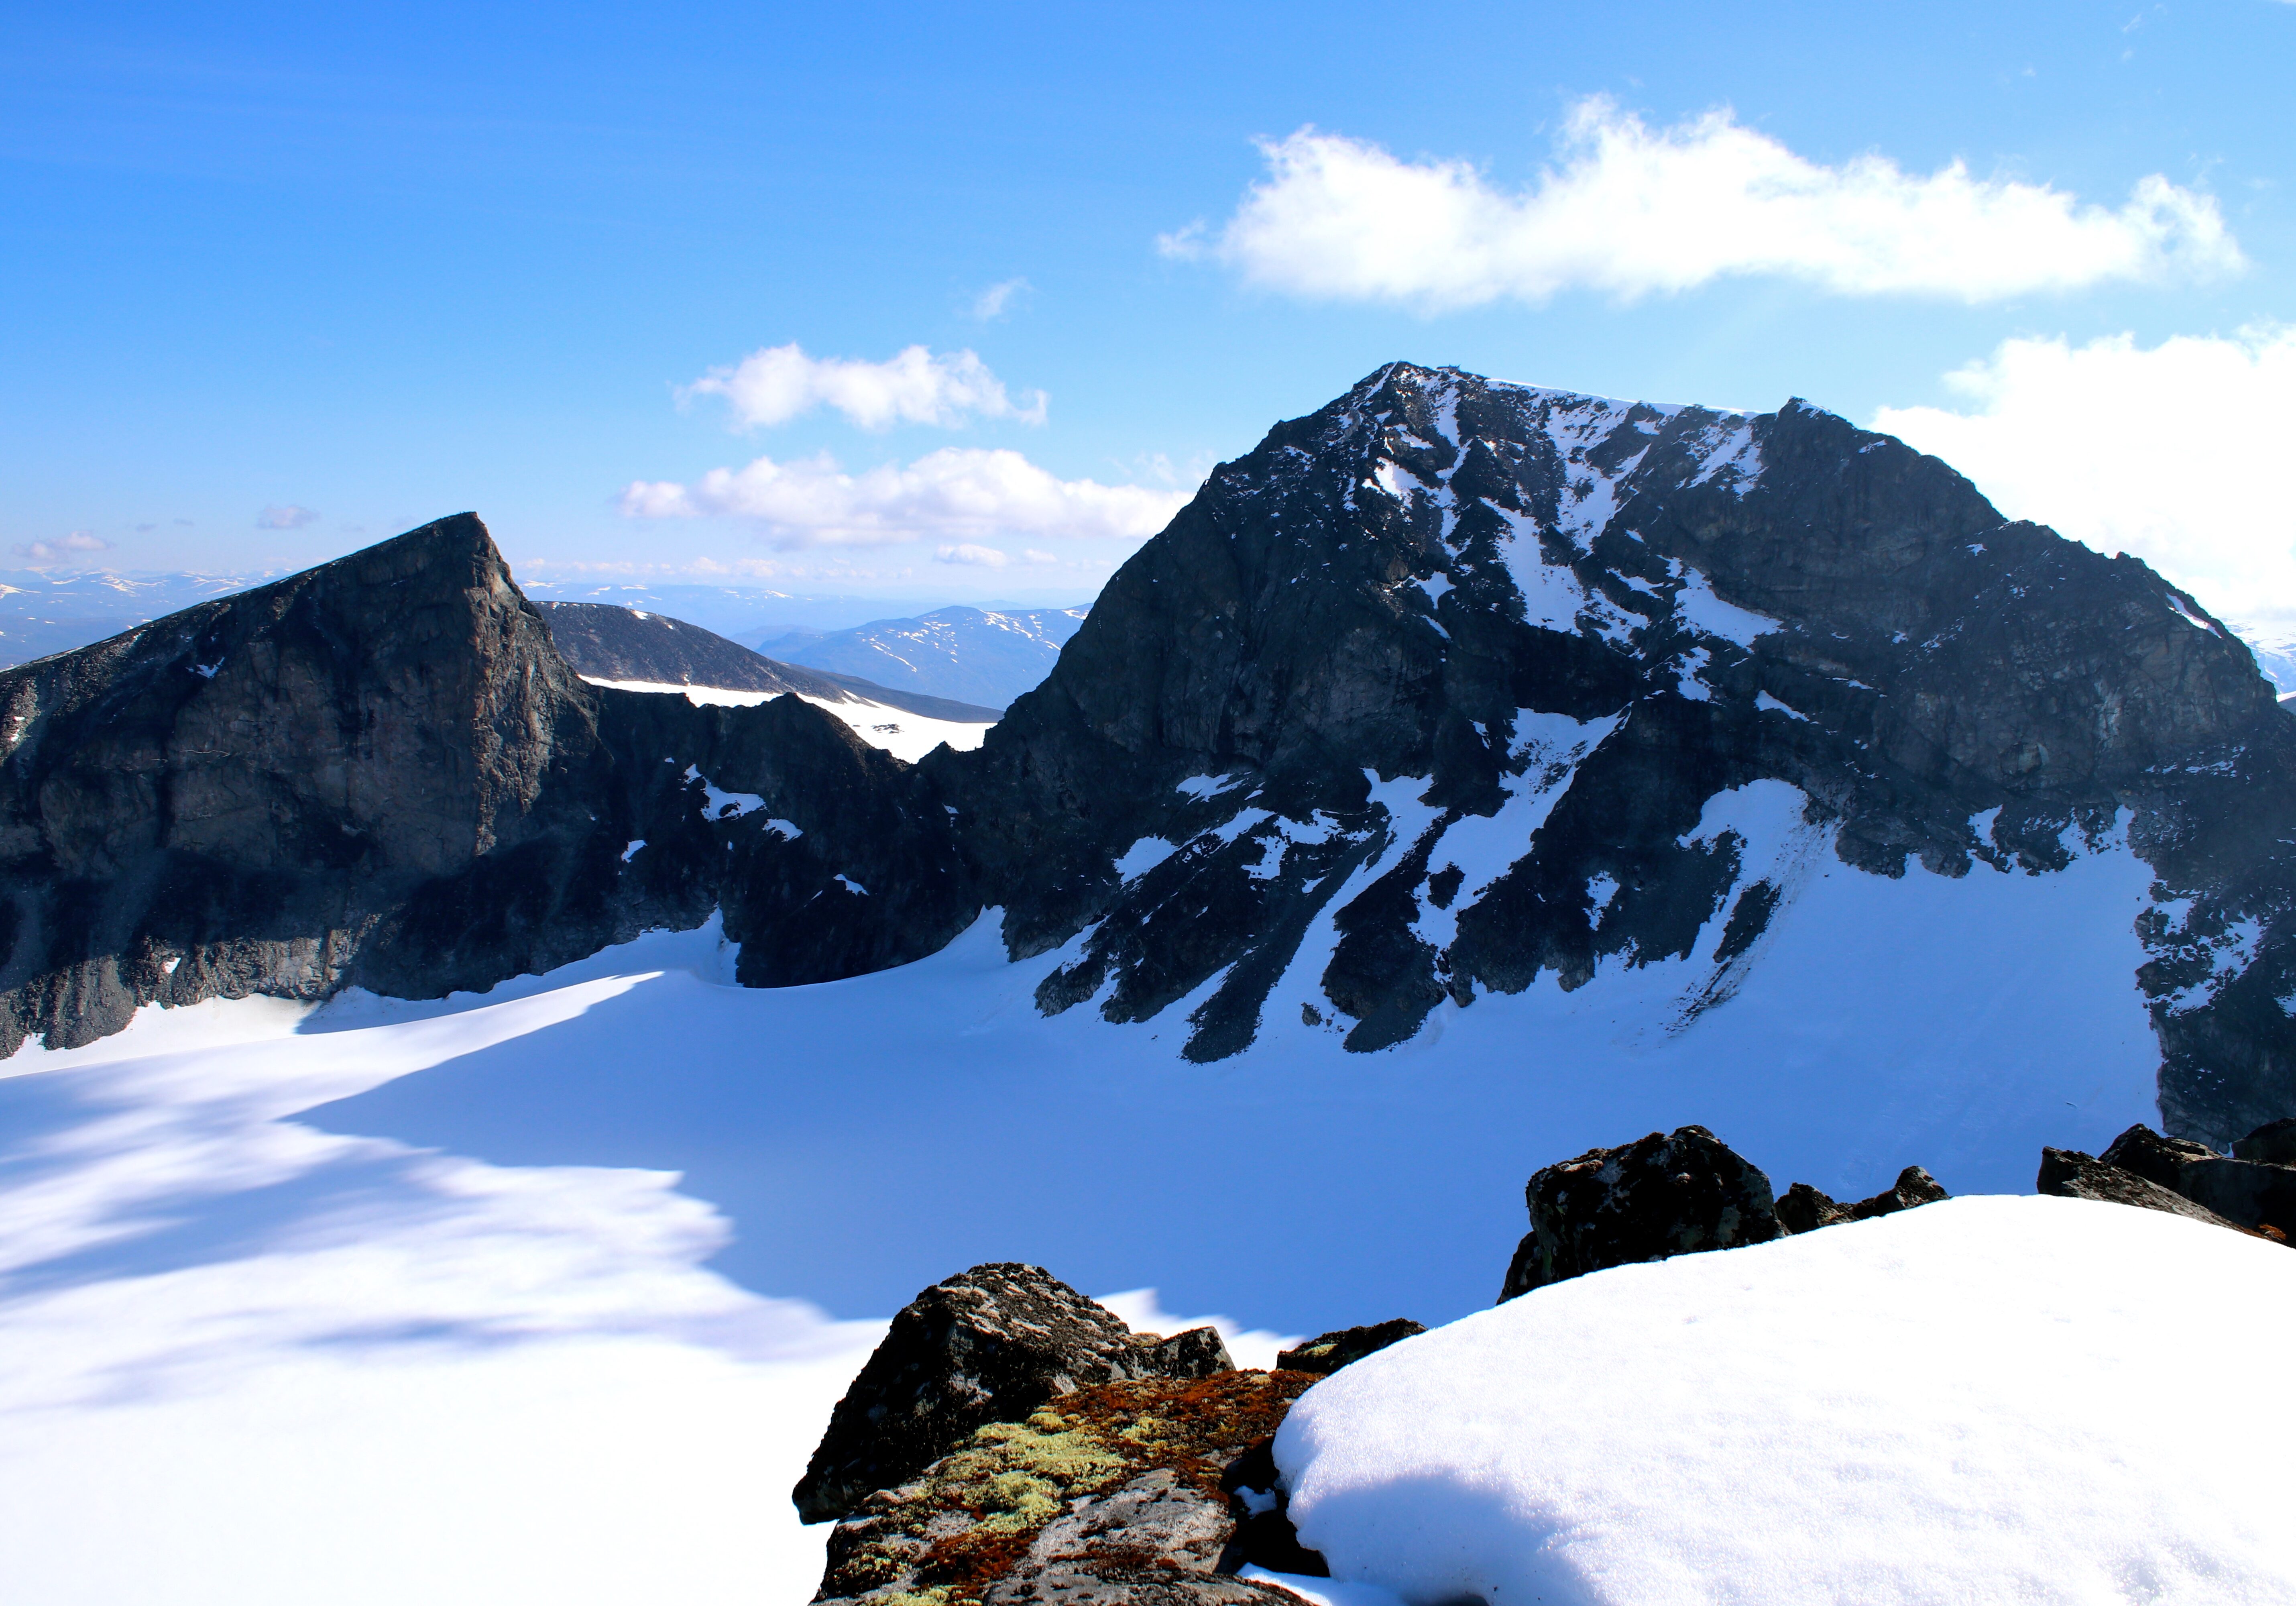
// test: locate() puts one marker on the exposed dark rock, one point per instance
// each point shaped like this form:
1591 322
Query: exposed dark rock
1803 1209
1676 1193
381 772
2069 1173
2272 1144
989 1346
1415 582
1327 1353
1432 601
610 643
1103 1487
1261 1507
2155 1158
2245 1192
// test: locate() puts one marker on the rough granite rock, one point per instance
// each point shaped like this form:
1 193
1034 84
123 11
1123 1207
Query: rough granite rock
1803 1209
989 1346
1676 1193
1326 1353
1096 1491
2247 1193
2274 1143
1617 612
1433 599
2069 1173
381 772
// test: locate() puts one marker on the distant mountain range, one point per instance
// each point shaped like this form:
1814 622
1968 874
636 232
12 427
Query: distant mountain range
979 654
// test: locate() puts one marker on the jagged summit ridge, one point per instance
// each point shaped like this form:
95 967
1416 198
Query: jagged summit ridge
1451 688
1454 683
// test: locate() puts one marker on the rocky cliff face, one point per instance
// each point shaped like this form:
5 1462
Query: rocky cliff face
1466 663
1475 683
380 772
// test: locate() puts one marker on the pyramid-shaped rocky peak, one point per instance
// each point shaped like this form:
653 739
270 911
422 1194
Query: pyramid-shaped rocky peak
1490 682
381 771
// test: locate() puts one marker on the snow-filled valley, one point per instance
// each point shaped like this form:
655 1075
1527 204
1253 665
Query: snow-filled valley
546 1294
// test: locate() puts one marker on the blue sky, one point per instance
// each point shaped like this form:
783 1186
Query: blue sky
280 282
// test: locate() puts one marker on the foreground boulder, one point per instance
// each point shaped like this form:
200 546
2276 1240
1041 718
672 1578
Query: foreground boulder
2069 1173
1116 1492
2248 1193
1804 1208
1327 1353
989 1346
2272 1144
1667 1194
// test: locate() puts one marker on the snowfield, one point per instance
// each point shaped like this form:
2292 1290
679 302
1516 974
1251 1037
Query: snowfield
544 1294
1985 1400
907 737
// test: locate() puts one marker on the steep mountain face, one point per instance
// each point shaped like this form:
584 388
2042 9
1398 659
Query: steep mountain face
604 642
982 656
1453 687
1509 682
381 772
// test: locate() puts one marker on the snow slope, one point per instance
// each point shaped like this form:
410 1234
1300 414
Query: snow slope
906 735
245 1361
1989 1399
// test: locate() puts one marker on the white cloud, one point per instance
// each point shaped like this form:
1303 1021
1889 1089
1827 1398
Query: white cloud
913 386
41 554
287 517
2172 453
1630 209
997 299
986 557
956 496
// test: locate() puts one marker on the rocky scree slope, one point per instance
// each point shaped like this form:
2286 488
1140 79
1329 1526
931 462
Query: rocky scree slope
1463 665
381 772
606 642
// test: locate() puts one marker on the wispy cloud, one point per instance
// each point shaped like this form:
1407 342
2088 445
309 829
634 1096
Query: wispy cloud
2171 452
64 549
956 496
285 517
997 299
1629 211
915 386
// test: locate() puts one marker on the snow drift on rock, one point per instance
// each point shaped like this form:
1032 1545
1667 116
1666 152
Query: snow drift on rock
1988 1399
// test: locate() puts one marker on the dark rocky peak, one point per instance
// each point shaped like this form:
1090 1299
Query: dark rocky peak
381 771
1490 682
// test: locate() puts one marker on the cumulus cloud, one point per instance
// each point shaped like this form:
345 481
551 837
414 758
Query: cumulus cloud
781 383
997 299
956 496
286 517
1629 209
986 557
63 549
2173 453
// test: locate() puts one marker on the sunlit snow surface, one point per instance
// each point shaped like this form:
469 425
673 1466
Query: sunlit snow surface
1985 1400
907 737
521 1297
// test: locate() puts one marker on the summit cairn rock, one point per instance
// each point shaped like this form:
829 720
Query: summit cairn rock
1804 1208
990 1345
2246 1192
1667 1194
